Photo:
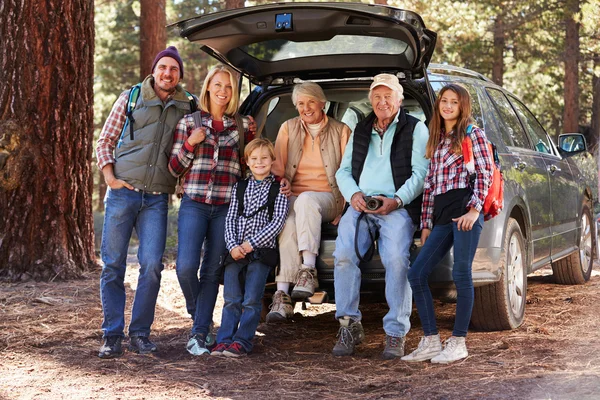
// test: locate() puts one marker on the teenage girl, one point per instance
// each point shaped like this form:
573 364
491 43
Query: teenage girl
451 216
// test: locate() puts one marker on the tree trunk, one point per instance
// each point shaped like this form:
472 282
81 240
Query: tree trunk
46 133
231 4
153 33
571 96
595 126
499 43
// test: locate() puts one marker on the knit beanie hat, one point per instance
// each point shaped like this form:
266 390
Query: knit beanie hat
172 52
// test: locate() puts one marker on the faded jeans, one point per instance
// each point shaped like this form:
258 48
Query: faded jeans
125 210
199 224
396 232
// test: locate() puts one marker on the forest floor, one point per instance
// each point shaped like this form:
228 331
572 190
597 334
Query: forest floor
49 339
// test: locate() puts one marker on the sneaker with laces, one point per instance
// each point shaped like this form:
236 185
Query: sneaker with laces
394 347
219 349
349 335
454 350
429 347
197 345
111 347
281 308
306 282
141 345
235 350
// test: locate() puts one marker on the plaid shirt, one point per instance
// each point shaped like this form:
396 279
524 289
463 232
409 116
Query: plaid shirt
447 171
257 230
111 131
216 163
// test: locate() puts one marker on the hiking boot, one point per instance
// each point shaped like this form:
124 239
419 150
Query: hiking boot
141 345
111 347
306 282
219 349
196 346
211 337
429 347
235 350
455 349
350 334
281 308
394 347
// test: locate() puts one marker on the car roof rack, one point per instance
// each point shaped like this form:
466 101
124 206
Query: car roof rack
457 71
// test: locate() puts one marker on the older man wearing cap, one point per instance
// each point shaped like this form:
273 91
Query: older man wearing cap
385 159
133 154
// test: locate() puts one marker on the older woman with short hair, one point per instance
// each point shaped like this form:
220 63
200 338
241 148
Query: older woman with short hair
308 151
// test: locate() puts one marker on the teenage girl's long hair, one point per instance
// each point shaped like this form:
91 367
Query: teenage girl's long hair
437 126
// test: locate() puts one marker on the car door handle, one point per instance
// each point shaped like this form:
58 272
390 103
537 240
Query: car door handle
553 168
520 165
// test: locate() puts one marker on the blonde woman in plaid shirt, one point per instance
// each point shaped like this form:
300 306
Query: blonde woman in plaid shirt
211 152
451 217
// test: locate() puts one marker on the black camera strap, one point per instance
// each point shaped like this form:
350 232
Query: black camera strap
374 234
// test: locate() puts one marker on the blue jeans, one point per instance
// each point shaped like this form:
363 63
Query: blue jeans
125 210
199 224
243 302
396 232
439 242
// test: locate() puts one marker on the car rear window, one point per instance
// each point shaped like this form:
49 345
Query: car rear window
281 49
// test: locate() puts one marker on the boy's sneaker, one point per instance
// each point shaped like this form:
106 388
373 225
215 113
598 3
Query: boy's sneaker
455 349
394 347
429 347
235 350
141 345
219 349
306 282
350 334
197 345
281 308
111 347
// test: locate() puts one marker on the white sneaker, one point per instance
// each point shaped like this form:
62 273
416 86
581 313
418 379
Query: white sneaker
306 282
281 308
455 349
429 347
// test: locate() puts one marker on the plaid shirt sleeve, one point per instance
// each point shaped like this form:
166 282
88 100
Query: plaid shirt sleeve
111 131
273 228
427 206
182 154
231 221
483 168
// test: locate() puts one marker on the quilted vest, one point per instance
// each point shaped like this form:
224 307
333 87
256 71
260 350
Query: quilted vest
400 157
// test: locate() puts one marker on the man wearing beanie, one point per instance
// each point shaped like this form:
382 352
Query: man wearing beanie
133 153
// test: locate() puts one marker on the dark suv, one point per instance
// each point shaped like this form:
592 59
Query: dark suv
546 217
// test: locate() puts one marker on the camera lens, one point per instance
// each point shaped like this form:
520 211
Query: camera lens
373 203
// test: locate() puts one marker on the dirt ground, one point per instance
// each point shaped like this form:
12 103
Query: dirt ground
50 334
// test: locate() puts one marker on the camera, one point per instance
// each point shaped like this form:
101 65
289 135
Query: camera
373 203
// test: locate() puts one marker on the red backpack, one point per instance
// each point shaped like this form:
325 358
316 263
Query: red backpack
494 200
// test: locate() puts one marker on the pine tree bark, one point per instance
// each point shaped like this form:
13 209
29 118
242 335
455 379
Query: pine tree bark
46 134
231 4
571 96
153 33
499 43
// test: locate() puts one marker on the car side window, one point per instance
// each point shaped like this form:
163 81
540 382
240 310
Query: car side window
510 127
537 134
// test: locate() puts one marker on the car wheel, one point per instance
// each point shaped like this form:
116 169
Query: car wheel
576 268
501 305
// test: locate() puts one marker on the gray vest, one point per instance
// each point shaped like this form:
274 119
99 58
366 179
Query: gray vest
143 162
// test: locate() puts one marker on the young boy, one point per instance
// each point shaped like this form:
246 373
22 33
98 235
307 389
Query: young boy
251 237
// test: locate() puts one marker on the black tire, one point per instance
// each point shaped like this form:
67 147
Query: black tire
501 305
576 268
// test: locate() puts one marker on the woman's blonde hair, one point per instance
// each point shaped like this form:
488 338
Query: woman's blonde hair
309 89
235 96
257 144
436 125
